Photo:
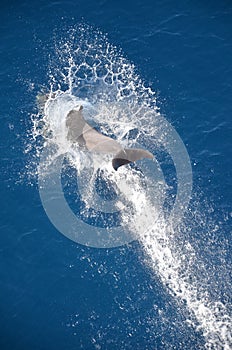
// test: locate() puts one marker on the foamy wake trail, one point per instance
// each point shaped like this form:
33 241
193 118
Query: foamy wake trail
177 274
176 268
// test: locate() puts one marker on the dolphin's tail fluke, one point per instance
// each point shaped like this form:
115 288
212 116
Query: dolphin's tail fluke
129 155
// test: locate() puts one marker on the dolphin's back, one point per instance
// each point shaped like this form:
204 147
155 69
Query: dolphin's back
79 131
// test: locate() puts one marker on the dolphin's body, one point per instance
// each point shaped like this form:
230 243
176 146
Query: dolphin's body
79 131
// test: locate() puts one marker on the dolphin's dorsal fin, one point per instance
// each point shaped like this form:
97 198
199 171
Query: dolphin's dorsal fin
129 155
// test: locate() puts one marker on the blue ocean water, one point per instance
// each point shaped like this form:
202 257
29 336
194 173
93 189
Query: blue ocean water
56 294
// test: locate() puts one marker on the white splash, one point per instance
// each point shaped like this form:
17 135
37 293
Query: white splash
87 68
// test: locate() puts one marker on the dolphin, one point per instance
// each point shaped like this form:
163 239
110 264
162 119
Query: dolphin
80 132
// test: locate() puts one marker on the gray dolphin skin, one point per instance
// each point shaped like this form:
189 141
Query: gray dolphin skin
80 132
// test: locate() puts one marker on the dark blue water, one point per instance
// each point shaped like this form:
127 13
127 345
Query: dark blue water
55 294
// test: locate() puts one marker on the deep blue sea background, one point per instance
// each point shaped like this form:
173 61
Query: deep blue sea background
55 294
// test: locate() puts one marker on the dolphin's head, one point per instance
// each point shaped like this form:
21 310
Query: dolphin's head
78 108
